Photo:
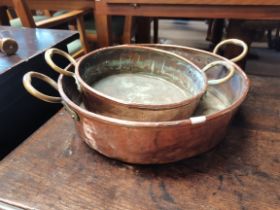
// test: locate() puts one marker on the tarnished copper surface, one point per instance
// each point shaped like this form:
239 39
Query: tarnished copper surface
161 142
54 170
145 65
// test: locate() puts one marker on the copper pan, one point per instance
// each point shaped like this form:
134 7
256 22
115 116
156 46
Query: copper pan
155 142
144 101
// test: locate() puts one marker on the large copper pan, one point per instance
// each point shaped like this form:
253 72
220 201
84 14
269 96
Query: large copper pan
156 142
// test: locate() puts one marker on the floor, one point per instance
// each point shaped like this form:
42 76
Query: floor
261 61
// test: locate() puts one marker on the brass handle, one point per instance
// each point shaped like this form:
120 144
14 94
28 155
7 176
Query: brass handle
229 67
48 57
27 79
235 42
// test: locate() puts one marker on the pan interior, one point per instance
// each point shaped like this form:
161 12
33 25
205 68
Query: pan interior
217 97
138 75
141 88
213 101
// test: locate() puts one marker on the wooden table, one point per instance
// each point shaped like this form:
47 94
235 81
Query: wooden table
17 106
75 14
54 169
54 4
233 9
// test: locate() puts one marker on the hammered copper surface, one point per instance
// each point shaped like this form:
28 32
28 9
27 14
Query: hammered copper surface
54 170
161 142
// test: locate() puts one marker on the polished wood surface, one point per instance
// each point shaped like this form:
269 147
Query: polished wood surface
206 2
17 106
55 4
54 169
82 4
31 42
195 11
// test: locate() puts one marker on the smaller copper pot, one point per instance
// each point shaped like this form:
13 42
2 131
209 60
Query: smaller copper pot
132 59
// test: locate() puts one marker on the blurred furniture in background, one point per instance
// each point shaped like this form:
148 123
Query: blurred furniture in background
121 27
27 19
264 31
261 31
207 9
20 113
273 37
215 30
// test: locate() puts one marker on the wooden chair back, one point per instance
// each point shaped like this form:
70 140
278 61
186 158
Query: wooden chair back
23 11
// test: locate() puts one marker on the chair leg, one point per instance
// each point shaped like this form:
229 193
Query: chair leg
4 19
103 24
23 11
277 39
215 31
143 32
103 33
127 30
235 30
155 30
81 29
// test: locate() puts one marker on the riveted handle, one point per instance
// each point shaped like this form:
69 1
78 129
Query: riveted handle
227 65
27 83
235 42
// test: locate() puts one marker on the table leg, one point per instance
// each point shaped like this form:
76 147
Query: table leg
143 33
4 20
215 31
102 23
127 31
22 9
235 30
155 37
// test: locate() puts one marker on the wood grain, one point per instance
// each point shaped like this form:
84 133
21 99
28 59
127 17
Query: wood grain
206 2
24 13
54 169
55 4
54 21
195 11
205 9
103 25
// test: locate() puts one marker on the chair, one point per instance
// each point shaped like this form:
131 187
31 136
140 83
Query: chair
26 19
122 27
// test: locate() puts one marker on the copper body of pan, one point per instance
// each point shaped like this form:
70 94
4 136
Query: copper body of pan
139 83
156 142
